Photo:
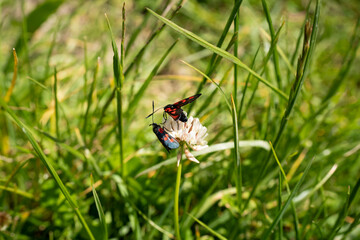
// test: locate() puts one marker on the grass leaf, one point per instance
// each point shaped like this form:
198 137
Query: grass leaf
99 210
218 51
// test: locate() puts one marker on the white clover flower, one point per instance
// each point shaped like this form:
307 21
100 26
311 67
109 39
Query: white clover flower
189 134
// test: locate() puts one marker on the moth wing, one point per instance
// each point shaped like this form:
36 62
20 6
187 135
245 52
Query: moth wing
185 101
166 140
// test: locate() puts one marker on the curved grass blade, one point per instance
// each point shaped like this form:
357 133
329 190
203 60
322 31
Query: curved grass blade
38 83
344 211
17 191
218 51
308 193
216 84
213 232
215 59
99 210
153 224
288 201
48 165
152 37
134 103
213 148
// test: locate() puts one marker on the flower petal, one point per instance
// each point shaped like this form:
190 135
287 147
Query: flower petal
189 156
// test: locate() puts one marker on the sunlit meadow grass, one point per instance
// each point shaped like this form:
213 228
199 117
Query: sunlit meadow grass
280 93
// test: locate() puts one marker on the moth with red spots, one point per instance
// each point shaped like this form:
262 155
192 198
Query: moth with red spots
175 111
166 139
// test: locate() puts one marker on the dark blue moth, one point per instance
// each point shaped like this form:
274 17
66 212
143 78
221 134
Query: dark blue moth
166 139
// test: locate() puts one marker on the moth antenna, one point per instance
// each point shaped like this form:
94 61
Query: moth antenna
154 111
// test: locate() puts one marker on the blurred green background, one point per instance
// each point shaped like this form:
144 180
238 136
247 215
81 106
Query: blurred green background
77 128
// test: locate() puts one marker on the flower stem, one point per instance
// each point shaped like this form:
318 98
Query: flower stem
176 202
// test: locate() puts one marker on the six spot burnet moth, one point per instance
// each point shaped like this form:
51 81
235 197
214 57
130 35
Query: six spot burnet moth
175 111
166 140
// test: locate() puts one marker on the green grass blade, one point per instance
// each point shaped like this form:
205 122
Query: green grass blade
187 223
267 58
213 148
349 59
48 165
344 211
48 56
153 224
56 105
218 51
273 39
13 81
17 191
288 201
122 51
225 77
38 83
215 59
237 159
308 193
236 48
213 232
216 84
280 226
176 201
151 38
298 40
134 103
99 210
132 64
293 209
210 98
119 78
89 100
136 33
86 65
25 37
303 65
353 226
245 88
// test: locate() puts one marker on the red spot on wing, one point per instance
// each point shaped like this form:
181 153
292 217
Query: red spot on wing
161 130
166 137
175 117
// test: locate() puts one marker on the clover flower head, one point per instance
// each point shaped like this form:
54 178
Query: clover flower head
189 134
